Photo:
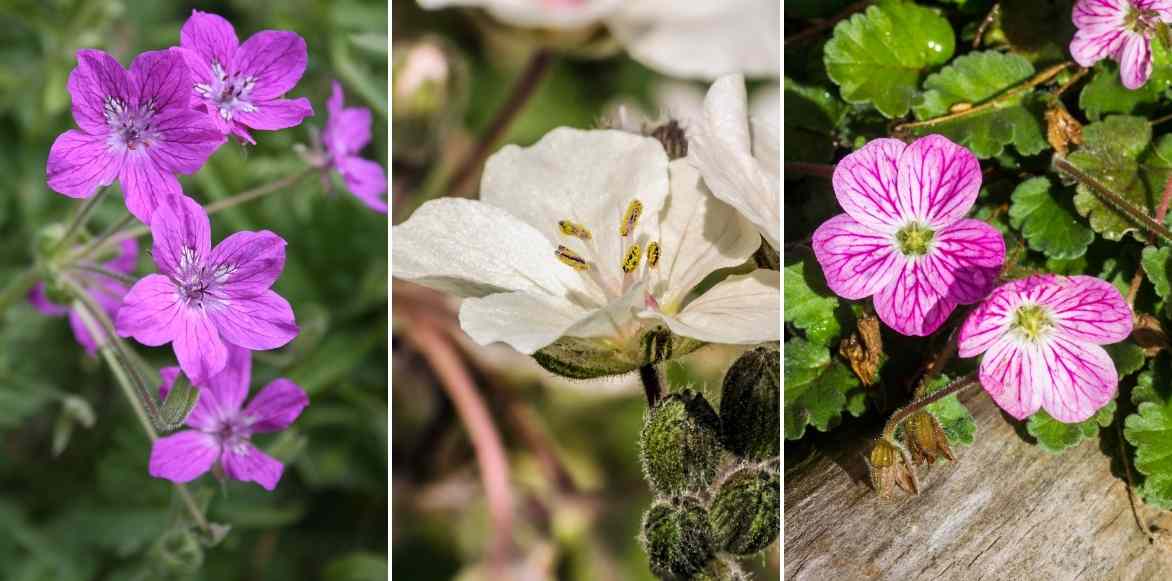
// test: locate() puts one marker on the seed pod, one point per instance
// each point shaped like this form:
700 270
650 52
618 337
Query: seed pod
680 444
745 512
677 539
750 405
890 468
925 438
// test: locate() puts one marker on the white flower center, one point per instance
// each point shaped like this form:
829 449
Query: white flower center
197 283
631 262
230 93
130 128
1031 322
914 239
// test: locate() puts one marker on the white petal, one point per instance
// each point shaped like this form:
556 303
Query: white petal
536 13
743 310
765 107
471 249
616 320
525 322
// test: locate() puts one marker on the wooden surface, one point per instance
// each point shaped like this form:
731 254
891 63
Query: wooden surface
1005 510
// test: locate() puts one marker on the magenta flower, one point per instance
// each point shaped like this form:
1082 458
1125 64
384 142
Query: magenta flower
222 427
1041 338
202 300
347 132
1120 30
904 238
106 291
242 86
136 127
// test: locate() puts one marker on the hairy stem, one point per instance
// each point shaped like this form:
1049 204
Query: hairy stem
1012 92
903 413
1137 216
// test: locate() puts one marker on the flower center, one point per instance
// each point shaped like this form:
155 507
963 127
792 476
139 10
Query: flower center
130 128
915 239
1141 20
633 251
196 283
234 433
228 91
1032 321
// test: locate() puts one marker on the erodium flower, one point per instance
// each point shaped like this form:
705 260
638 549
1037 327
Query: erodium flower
1120 30
106 292
1041 338
136 127
583 250
347 132
205 299
904 237
222 426
242 86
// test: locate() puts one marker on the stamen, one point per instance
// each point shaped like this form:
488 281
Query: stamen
571 258
576 230
652 254
631 260
631 218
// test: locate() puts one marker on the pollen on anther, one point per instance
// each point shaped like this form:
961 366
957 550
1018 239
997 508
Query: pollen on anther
631 218
571 258
652 254
576 230
631 260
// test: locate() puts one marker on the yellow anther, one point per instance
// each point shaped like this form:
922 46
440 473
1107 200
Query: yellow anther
571 258
652 254
631 218
576 230
631 260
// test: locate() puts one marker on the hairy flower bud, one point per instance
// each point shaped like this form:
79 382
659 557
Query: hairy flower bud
579 358
677 538
889 468
680 444
750 405
925 438
745 513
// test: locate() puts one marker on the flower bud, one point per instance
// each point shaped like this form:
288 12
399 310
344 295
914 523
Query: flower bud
750 405
745 513
925 438
680 444
889 468
429 82
579 358
181 399
676 538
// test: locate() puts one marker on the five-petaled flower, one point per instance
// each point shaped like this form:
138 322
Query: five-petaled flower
106 291
205 299
904 238
136 127
222 426
347 131
1041 338
242 86
1120 30
592 240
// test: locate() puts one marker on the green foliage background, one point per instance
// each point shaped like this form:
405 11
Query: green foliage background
92 512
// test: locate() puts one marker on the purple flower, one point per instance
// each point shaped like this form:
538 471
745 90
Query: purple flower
1120 30
222 427
136 127
204 299
1041 338
106 291
347 132
242 86
904 237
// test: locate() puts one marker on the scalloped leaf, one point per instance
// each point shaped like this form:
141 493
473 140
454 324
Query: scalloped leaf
808 304
1105 93
1127 356
973 79
1048 225
877 57
955 419
1055 436
1150 431
817 389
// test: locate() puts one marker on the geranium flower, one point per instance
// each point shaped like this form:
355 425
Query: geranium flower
347 132
136 127
904 238
700 40
242 86
1041 338
588 244
107 292
203 299
222 426
1120 30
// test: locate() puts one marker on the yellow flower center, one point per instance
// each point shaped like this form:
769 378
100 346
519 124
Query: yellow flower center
915 239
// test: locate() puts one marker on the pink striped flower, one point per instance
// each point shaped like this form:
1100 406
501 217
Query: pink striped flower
904 237
1120 30
1041 338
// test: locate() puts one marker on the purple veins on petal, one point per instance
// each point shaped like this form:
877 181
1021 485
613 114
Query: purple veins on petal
347 131
1120 30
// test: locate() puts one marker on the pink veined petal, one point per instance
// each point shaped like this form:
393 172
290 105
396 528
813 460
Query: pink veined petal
910 304
182 234
1094 43
260 322
965 260
276 406
198 346
162 79
1135 61
241 133
97 77
1014 376
150 312
988 323
275 58
82 334
1162 7
1092 310
246 463
79 164
201 72
250 261
184 456
856 260
366 180
210 36
1101 12
275 114
187 139
222 395
1080 378
865 184
40 301
938 181
145 185
347 131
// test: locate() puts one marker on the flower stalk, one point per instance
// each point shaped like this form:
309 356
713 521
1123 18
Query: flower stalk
905 412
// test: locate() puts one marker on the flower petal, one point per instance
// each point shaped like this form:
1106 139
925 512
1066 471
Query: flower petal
258 322
210 36
1079 379
347 129
82 334
79 164
145 185
244 462
248 263
1100 12
187 139
150 312
911 304
856 260
39 299
1135 61
1092 44
1014 376
524 321
182 234
276 406
938 180
275 59
967 258
162 79
865 183
96 78
222 395
1090 309
740 310
126 259
276 114
198 346
366 180
184 456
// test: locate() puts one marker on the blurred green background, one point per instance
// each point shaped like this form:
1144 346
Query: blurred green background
90 511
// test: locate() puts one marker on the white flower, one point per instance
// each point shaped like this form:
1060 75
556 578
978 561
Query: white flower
584 250
701 40
738 155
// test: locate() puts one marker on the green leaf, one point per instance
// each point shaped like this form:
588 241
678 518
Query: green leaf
1150 431
877 57
1055 436
956 421
1105 93
974 79
1117 153
1159 271
1127 356
811 115
817 388
808 305
1048 225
